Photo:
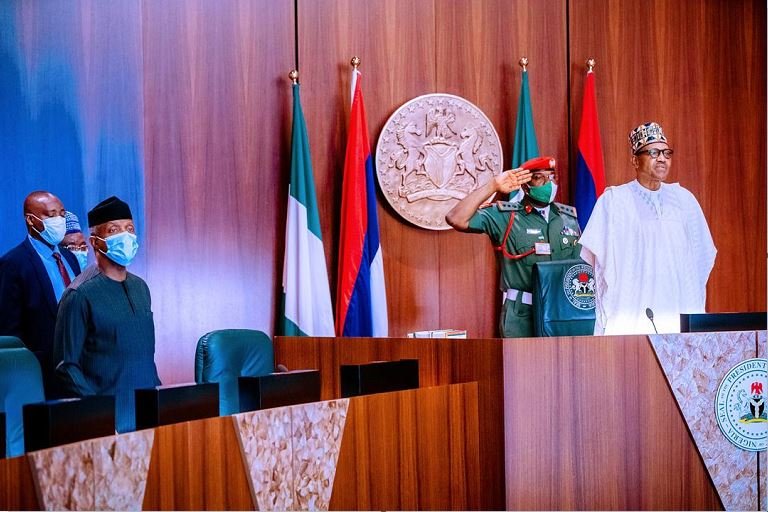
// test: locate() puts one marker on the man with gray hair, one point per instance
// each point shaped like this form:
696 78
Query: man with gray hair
74 240
649 244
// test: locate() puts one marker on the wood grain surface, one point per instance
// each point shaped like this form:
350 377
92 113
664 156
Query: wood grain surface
441 361
214 103
698 68
17 489
217 126
590 423
197 465
412 450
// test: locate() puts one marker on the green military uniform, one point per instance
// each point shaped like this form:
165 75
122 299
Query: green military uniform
517 254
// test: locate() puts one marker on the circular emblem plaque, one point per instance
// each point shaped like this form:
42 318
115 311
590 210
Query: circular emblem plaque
579 286
740 405
432 152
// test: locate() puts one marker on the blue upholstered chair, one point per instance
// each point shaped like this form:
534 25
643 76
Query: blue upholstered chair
21 383
223 356
10 342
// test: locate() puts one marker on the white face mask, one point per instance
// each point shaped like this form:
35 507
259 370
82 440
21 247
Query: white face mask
54 229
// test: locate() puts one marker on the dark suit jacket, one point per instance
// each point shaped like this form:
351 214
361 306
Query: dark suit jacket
28 305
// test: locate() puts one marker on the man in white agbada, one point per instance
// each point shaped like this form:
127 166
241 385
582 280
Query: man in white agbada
649 245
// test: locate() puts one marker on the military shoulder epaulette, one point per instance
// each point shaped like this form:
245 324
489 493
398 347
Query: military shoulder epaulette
508 206
568 210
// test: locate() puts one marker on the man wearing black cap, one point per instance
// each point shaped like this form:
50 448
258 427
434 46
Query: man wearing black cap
105 336
523 232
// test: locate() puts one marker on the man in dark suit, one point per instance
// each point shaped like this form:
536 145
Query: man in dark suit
33 276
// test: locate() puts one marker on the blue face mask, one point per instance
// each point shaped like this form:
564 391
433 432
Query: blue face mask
121 248
82 258
54 229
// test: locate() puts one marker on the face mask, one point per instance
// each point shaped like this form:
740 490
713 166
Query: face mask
121 248
543 194
82 258
54 229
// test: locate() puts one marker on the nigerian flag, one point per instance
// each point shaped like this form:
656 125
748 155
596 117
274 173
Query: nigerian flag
306 298
525 146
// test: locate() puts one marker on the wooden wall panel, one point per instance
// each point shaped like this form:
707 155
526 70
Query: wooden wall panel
441 361
698 68
215 121
217 129
434 279
17 489
414 450
478 46
607 424
395 40
197 465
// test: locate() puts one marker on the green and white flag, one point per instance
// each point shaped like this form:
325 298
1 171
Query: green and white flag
306 297
525 146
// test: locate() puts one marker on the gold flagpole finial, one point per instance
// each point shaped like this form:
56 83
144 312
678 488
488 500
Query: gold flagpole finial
524 63
294 76
590 65
355 62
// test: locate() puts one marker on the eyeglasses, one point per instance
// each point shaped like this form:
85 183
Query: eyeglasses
542 177
73 247
654 153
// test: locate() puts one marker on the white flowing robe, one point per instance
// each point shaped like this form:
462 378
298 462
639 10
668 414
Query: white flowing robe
647 253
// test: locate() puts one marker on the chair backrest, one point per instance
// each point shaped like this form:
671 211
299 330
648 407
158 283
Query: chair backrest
11 342
21 383
223 356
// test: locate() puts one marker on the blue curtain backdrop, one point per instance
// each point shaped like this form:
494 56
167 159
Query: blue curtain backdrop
70 108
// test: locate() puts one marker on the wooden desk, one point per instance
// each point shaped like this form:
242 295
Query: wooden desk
566 423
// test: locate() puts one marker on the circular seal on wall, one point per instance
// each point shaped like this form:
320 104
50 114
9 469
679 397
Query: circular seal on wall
579 286
740 405
432 152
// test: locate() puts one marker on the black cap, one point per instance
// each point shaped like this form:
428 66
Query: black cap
107 210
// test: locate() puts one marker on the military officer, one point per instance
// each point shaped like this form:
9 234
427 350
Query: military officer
523 232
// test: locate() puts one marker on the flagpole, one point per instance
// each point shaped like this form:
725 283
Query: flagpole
523 64
294 76
355 63
590 64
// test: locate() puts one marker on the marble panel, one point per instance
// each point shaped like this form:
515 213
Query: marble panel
64 477
265 443
318 429
109 473
763 481
121 464
694 364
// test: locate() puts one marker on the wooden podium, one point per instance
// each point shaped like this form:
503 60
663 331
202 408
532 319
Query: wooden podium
610 423
570 423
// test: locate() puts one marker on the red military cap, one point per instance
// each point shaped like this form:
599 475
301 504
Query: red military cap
540 163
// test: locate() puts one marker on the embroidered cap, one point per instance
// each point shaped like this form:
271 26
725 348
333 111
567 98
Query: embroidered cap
73 223
644 134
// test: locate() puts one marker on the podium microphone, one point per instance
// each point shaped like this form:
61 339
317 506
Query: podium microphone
649 314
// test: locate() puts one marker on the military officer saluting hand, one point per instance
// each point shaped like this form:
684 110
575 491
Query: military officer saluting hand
522 232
